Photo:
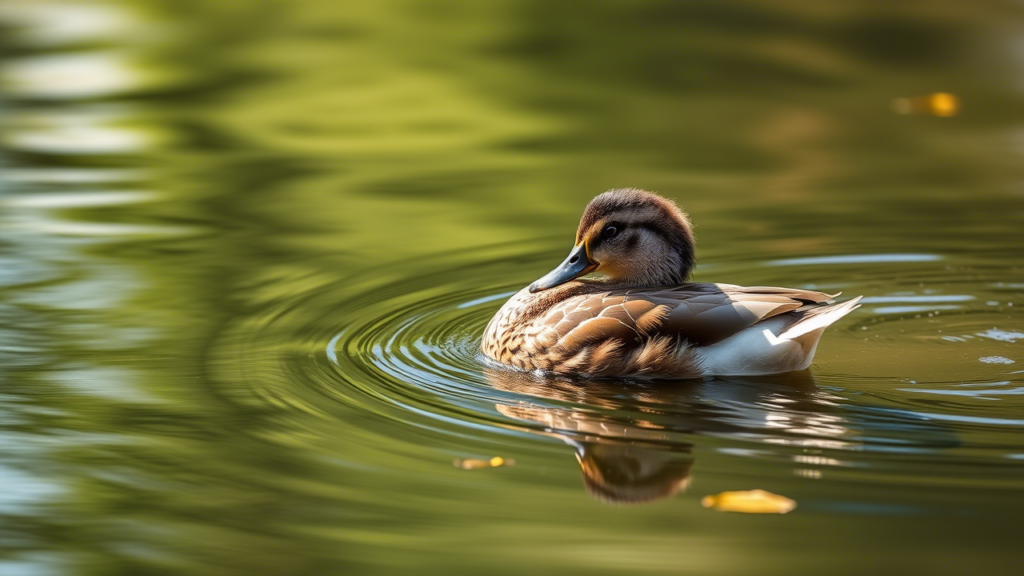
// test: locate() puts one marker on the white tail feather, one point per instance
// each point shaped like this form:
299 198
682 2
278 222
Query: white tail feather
822 320
757 350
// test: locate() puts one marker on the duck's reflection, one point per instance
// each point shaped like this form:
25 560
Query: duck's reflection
621 461
633 474
632 440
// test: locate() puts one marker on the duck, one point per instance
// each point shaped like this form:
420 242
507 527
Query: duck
621 306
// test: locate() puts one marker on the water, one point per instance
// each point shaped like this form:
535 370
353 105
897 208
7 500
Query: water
246 253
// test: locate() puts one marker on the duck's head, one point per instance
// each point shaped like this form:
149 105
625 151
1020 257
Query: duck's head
630 236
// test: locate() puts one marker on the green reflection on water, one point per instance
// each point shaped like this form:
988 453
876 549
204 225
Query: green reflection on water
247 249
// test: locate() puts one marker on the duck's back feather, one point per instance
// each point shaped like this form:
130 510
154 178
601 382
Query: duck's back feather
703 314
640 331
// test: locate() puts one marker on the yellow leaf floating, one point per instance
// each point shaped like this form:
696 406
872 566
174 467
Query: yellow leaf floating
749 502
939 104
473 463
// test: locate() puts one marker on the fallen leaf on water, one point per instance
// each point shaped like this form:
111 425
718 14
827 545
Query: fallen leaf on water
750 502
473 463
940 104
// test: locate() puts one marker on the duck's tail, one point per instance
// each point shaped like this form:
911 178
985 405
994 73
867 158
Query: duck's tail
809 324
784 343
813 320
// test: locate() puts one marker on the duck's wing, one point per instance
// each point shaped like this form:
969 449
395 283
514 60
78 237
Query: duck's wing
703 314
638 330
603 333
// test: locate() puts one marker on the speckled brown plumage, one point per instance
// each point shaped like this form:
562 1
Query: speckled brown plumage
642 318
585 328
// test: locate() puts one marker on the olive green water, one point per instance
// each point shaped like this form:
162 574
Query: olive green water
247 249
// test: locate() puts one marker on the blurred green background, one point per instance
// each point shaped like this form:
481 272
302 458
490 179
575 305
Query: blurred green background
247 249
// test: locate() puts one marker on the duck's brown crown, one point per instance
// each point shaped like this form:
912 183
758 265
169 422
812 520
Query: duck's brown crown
664 218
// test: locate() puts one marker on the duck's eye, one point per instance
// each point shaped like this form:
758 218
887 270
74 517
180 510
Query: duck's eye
609 231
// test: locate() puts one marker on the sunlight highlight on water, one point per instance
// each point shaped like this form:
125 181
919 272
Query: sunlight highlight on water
247 252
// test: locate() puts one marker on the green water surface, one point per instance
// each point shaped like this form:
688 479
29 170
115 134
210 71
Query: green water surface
247 250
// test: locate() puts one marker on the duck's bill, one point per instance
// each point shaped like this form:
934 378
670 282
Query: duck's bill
575 265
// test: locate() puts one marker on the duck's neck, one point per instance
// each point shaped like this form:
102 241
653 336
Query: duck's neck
667 270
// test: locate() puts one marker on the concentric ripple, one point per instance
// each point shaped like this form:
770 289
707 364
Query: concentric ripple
395 354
